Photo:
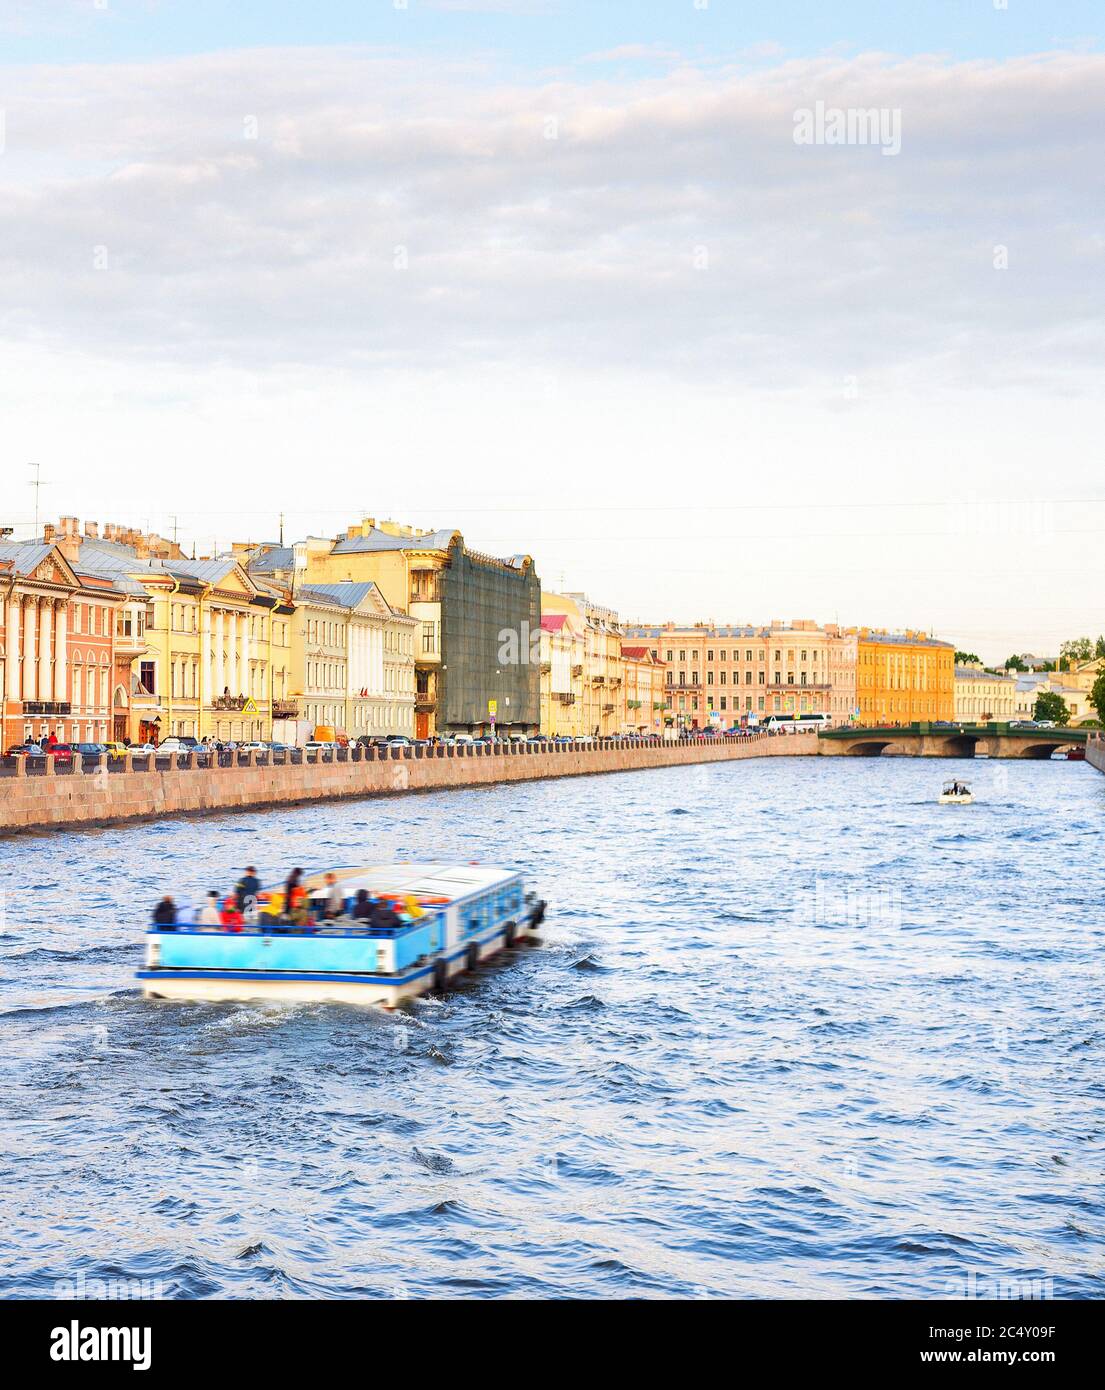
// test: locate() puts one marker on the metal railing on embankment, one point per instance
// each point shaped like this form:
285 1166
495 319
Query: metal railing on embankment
206 758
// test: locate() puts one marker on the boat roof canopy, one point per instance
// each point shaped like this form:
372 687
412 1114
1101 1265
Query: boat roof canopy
420 879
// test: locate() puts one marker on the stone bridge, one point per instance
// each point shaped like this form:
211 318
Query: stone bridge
949 741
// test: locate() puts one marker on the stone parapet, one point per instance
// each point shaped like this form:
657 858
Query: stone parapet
103 797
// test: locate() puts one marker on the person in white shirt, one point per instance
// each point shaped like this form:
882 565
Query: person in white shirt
209 917
335 898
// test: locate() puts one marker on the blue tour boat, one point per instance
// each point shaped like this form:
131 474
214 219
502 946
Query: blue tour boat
450 917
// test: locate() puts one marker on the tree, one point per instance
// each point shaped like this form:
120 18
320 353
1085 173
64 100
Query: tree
1097 696
967 659
1099 652
1078 649
1050 705
1014 663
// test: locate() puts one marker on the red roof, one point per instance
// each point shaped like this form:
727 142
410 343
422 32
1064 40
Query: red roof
553 622
636 653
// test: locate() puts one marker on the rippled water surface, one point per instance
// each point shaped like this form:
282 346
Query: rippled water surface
794 1030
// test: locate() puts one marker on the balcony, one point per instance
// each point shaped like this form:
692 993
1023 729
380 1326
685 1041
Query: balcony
47 707
564 697
577 670
229 702
285 709
608 709
422 705
598 680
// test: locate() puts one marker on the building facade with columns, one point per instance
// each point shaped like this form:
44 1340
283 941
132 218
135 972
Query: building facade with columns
903 677
982 696
352 660
197 648
57 627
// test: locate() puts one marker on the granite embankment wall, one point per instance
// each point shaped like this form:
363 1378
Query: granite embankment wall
101 796
1095 753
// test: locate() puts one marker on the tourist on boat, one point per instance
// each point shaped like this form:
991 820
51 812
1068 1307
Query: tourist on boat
334 902
231 915
295 898
386 915
413 907
364 909
209 916
164 914
247 888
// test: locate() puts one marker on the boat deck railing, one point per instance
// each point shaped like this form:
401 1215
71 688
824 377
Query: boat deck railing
273 927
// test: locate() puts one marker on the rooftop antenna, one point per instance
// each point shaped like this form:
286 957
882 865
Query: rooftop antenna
281 530
37 485
173 519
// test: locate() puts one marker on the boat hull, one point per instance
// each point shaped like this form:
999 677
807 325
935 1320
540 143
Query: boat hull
226 986
956 800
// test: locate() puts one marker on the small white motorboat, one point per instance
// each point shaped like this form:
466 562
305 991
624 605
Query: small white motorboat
956 793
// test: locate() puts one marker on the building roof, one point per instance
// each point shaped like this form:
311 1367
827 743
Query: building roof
345 594
902 639
636 653
691 630
271 558
978 673
25 556
553 622
383 540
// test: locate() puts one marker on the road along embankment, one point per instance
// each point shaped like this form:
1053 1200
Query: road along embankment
101 795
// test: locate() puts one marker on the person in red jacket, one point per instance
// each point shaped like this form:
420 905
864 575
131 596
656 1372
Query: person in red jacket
231 915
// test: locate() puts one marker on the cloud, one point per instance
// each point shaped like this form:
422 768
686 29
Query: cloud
356 207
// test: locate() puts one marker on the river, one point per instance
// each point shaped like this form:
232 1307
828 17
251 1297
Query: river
794 1030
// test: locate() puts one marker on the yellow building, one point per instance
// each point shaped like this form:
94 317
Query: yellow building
903 678
209 652
643 689
562 662
602 693
982 696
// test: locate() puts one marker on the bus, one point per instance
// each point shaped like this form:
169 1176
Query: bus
797 723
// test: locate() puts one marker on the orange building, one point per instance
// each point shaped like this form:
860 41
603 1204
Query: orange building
903 677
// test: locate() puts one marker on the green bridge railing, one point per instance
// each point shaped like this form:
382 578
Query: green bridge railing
951 730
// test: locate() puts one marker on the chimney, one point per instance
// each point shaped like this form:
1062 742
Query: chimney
49 531
91 531
70 546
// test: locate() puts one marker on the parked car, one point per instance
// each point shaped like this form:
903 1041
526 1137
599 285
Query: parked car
174 746
29 750
89 750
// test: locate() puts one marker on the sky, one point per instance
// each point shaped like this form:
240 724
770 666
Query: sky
570 277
